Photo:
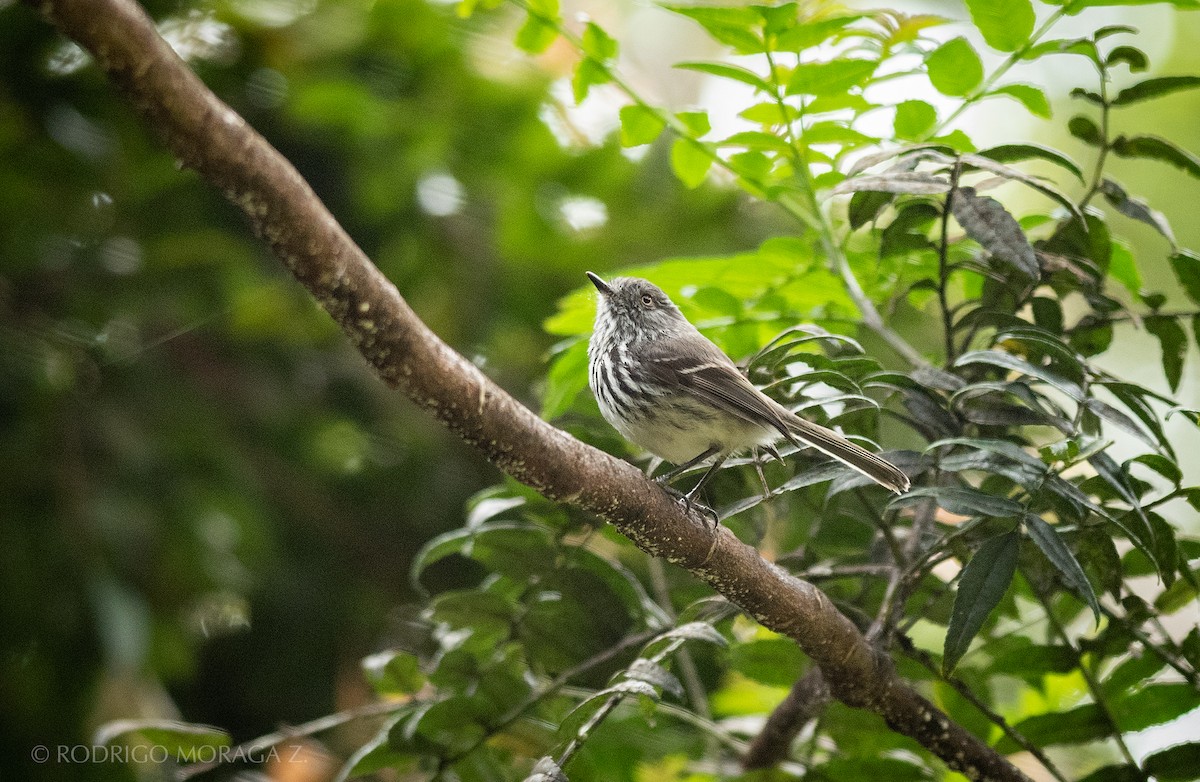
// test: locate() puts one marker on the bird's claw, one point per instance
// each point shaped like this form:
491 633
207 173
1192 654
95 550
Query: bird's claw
689 504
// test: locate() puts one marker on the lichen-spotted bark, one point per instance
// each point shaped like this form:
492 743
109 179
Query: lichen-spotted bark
210 138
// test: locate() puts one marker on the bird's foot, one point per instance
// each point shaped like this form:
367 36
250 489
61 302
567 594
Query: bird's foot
689 503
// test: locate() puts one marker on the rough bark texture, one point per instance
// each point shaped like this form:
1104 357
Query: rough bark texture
213 140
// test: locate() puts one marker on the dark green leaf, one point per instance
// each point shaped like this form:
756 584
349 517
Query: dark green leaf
954 68
1115 416
1047 539
865 206
1136 525
1129 674
1173 340
1175 764
1155 88
1186 265
984 581
1155 148
989 223
1135 58
1012 153
727 71
1085 130
1091 97
1120 773
1032 98
1005 24
1155 704
1079 725
775 661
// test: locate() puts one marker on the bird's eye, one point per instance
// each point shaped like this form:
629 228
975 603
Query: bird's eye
648 300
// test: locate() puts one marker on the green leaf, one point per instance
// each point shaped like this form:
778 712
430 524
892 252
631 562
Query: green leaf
1174 764
1047 539
1154 705
1085 130
598 44
1032 98
588 73
690 160
536 34
640 125
775 661
1005 24
954 68
1186 265
1012 153
915 119
176 738
986 221
735 27
1155 148
1173 341
1079 725
696 122
865 206
1155 88
984 581
830 78
732 72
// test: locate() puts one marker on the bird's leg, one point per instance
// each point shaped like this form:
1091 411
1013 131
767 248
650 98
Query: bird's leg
667 476
758 468
689 498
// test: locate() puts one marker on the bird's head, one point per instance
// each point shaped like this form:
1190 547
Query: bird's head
634 303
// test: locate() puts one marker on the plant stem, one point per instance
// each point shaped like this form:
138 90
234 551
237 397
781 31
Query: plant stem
943 267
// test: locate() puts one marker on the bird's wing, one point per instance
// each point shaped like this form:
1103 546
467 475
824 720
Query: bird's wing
703 370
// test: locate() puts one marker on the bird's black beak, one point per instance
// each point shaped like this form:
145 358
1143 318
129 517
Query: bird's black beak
600 284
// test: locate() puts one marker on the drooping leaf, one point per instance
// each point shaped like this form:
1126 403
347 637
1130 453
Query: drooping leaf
1005 24
1136 209
1155 148
1173 341
538 31
1186 265
651 672
1032 98
1133 57
999 358
984 581
1155 88
961 500
865 206
989 223
1047 539
954 68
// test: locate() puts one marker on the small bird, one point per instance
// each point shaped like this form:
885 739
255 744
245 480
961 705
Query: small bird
664 386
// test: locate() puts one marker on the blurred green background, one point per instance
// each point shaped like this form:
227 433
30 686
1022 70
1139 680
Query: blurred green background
208 504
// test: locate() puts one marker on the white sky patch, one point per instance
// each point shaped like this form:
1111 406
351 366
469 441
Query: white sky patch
589 123
439 194
583 213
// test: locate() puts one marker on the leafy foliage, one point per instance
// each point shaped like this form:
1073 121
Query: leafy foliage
966 338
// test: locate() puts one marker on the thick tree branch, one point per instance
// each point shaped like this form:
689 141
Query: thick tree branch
210 138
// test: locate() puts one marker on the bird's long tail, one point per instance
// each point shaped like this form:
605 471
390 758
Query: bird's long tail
830 442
